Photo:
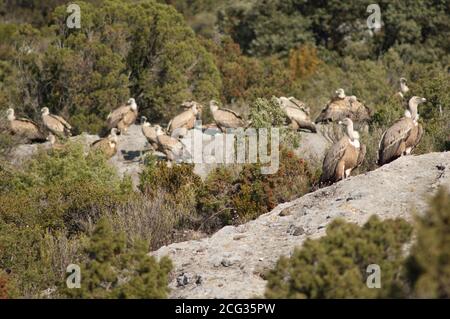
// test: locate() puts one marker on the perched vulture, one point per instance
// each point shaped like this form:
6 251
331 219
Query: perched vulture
343 106
225 118
298 113
24 128
187 118
149 133
124 116
107 145
344 156
403 136
170 146
55 124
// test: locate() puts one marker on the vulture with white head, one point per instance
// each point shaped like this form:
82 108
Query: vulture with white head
226 118
55 124
170 146
298 113
24 128
107 145
124 116
403 136
343 106
187 118
344 156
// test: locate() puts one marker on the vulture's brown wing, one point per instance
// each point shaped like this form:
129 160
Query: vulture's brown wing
62 120
419 136
337 109
359 110
168 142
361 155
298 104
53 124
392 139
229 118
28 129
333 156
129 118
117 115
185 119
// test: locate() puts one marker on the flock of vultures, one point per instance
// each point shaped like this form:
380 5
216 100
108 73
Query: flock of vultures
343 156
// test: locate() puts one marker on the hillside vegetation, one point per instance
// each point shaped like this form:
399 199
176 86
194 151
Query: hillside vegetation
64 207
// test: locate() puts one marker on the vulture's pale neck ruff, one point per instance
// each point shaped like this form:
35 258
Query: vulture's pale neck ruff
213 107
341 93
159 131
133 105
353 135
45 111
413 109
403 88
113 139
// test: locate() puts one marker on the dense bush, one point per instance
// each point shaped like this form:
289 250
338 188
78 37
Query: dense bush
85 73
7 289
429 263
335 266
61 190
117 270
275 26
176 186
231 196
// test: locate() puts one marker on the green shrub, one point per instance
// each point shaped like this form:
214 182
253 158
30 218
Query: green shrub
117 270
22 254
61 190
429 264
235 197
335 266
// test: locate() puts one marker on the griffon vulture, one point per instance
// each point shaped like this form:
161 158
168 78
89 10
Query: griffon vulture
344 156
107 145
170 146
343 106
298 113
149 132
123 116
403 136
187 118
55 124
226 118
24 128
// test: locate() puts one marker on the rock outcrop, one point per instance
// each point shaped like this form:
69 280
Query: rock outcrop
133 145
231 263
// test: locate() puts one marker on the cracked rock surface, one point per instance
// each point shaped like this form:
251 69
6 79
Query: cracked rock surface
231 263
